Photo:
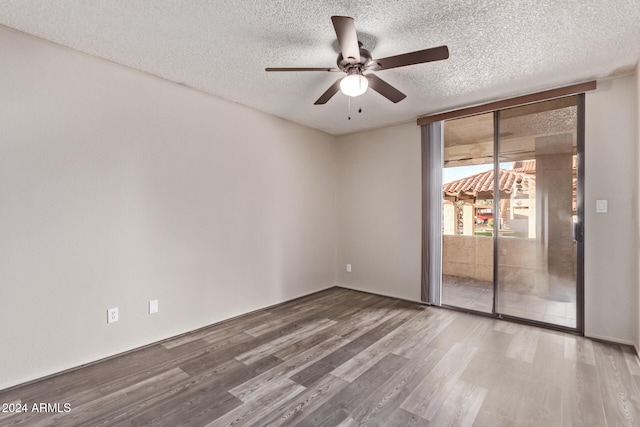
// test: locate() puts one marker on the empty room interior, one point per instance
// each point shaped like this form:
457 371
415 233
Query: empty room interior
319 213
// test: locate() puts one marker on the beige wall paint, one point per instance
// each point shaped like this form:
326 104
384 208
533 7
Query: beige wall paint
379 209
609 238
118 187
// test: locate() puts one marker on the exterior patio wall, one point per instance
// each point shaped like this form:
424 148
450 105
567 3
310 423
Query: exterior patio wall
468 256
517 272
472 256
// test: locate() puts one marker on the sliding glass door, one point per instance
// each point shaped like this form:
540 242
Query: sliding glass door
511 219
467 213
537 237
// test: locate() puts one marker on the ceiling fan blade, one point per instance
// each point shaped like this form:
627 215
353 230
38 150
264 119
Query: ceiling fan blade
347 37
384 88
417 57
302 69
333 89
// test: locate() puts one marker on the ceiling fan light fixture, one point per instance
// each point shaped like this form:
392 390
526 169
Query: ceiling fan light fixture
354 84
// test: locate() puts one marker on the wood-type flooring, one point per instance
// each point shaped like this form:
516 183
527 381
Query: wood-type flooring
347 358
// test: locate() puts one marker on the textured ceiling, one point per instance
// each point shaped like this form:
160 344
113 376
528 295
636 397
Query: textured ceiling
497 48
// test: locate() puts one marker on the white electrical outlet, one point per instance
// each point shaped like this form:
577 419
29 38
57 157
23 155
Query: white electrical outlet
112 315
153 306
348 268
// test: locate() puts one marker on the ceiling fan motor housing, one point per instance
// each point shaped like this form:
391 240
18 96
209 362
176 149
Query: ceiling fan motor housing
347 64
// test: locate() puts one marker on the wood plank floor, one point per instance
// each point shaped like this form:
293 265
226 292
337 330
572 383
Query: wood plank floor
346 358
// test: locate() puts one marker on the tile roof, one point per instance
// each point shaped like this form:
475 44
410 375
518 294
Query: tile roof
526 166
475 185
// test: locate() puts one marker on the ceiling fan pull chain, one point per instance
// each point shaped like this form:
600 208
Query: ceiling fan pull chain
349 115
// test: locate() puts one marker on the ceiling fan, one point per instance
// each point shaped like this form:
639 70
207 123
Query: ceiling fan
354 60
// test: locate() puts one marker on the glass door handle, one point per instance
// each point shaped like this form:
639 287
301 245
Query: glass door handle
577 232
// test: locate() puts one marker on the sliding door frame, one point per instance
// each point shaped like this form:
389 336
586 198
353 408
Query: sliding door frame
433 151
496 206
579 230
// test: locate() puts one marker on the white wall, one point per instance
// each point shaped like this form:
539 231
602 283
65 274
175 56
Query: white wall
379 211
118 187
379 227
610 309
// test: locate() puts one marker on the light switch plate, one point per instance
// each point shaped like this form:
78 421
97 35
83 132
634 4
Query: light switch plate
601 206
348 268
153 306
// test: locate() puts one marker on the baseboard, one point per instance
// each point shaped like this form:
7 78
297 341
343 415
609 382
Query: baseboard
381 294
40 377
610 340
